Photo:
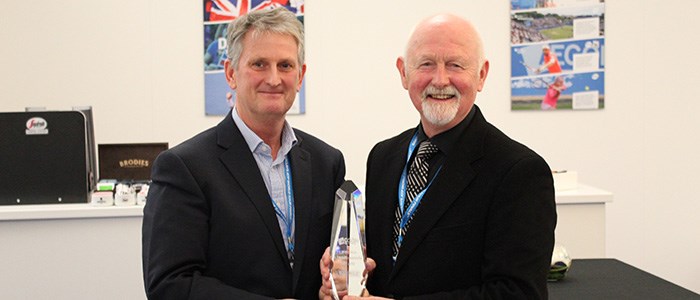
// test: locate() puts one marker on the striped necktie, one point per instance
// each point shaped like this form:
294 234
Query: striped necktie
417 179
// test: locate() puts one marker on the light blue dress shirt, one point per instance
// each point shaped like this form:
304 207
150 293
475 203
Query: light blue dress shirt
272 171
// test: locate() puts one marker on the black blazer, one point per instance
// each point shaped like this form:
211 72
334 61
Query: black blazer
484 229
209 227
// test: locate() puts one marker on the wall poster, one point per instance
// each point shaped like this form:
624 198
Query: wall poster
218 97
557 57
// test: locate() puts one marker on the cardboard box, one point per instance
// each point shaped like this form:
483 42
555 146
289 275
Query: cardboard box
128 162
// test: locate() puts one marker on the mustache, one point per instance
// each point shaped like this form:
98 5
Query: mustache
435 92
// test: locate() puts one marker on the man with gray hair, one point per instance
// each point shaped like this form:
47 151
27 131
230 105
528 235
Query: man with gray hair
455 208
243 210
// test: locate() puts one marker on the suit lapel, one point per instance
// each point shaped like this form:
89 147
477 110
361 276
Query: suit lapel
302 182
239 161
385 198
454 177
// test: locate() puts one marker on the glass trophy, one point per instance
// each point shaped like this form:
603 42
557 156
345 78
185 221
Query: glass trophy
348 242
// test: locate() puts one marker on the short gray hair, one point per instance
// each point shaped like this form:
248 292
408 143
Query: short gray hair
277 20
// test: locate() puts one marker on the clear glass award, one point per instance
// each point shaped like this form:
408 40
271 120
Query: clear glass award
348 242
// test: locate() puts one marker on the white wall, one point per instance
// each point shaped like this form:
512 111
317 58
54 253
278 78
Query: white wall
138 63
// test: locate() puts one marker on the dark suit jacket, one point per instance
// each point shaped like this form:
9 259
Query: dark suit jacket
484 229
210 230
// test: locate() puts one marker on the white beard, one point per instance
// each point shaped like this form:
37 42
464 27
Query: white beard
440 113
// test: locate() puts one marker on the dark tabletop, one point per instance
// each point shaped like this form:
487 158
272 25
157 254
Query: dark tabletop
613 279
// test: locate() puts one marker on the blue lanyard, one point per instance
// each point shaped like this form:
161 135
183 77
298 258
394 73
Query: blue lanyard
287 218
406 215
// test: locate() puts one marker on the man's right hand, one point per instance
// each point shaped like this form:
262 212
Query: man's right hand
326 264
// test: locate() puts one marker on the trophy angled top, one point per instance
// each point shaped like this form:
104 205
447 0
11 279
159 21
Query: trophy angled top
346 190
348 242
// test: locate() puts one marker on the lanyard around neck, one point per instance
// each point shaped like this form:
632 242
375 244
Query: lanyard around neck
288 217
411 209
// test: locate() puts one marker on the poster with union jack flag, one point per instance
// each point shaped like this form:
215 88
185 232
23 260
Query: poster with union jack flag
218 96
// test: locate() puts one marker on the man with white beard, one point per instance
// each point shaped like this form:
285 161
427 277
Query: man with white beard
455 208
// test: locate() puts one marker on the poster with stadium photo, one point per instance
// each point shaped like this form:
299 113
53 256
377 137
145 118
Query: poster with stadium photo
557 54
218 96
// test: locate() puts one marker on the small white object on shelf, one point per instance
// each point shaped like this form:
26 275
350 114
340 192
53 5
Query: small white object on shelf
124 195
104 198
142 195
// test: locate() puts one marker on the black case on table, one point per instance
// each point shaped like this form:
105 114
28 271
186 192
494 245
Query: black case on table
44 163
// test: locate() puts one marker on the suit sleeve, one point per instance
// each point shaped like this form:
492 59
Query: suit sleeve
340 171
519 236
175 237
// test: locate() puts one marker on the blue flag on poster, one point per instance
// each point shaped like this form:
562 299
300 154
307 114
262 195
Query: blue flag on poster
218 96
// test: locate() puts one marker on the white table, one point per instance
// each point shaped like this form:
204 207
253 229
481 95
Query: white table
70 251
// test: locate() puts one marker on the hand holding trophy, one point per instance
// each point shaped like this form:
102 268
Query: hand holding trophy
348 251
